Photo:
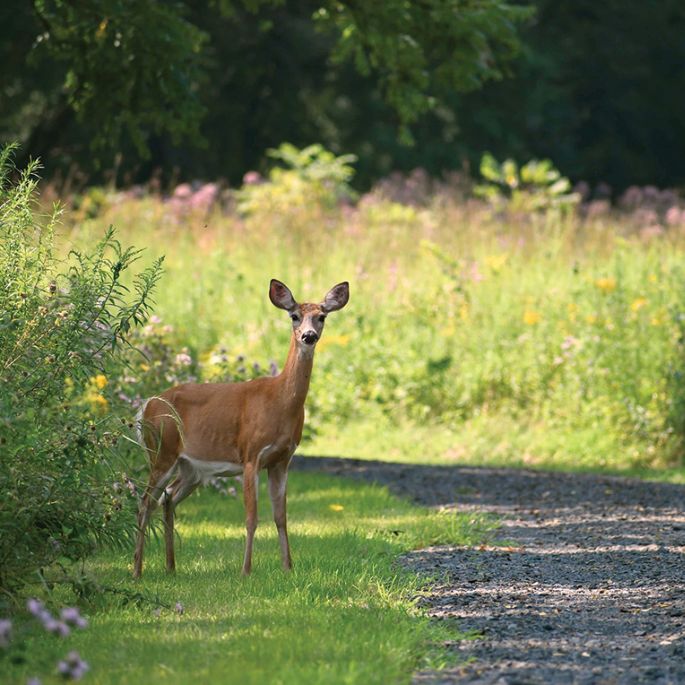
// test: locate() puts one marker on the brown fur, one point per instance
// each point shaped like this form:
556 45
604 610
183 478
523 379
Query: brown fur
233 423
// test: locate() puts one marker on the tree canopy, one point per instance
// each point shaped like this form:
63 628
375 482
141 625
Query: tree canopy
204 88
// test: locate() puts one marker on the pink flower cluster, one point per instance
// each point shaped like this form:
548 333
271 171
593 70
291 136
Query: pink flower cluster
188 198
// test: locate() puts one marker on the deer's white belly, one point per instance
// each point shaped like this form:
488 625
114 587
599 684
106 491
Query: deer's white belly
204 471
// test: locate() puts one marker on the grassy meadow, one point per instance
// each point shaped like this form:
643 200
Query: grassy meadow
473 335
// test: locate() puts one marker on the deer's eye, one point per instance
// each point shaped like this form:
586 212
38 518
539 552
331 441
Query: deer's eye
322 318
295 317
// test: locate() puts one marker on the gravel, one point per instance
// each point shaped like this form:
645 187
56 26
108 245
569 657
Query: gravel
586 584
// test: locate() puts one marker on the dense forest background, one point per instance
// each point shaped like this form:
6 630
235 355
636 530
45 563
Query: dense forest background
202 89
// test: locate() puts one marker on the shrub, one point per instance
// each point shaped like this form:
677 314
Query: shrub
536 186
313 176
62 325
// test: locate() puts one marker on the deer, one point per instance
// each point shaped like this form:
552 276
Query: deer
196 431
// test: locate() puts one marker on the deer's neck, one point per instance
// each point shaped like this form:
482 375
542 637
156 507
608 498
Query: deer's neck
296 374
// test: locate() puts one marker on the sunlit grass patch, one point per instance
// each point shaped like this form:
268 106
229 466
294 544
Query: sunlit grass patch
346 614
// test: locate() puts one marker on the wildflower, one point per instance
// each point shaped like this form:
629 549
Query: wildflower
607 285
99 381
73 666
99 402
674 216
5 632
155 319
531 317
336 507
183 359
37 608
130 485
591 318
73 616
34 681
256 368
179 608
638 304
569 342
497 262
273 368
252 178
52 625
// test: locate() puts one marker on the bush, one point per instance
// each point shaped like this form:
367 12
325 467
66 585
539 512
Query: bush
62 326
314 176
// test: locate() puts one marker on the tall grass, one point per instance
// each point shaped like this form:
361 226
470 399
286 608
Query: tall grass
538 338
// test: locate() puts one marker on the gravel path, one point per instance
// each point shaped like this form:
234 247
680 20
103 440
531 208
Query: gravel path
589 587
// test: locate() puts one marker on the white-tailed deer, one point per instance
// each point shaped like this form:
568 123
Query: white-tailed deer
196 431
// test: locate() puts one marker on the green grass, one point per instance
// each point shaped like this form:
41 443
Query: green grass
468 338
346 613
495 441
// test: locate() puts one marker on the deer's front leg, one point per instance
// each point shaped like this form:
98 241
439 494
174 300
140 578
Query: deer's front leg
250 487
278 479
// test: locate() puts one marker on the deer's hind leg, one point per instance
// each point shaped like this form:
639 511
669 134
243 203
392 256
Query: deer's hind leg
184 484
155 487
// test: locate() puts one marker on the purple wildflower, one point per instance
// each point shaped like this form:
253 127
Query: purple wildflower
179 608
34 681
35 607
273 368
60 628
73 666
73 616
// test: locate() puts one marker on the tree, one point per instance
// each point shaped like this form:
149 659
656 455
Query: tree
113 75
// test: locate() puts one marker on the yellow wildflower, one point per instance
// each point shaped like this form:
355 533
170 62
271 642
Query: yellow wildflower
99 381
638 304
464 312
336 507
98 403
531 317
591 318
652 278
606 285
497 261
656 321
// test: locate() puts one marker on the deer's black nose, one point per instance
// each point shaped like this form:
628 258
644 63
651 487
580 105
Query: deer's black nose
309 338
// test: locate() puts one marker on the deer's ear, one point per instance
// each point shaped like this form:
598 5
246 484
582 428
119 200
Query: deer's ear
280 295
337 297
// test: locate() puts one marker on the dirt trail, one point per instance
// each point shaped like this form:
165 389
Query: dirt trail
591 588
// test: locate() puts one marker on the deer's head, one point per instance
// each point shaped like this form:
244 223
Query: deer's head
308 319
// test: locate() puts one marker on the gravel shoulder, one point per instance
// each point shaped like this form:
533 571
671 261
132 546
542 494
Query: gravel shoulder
588 587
